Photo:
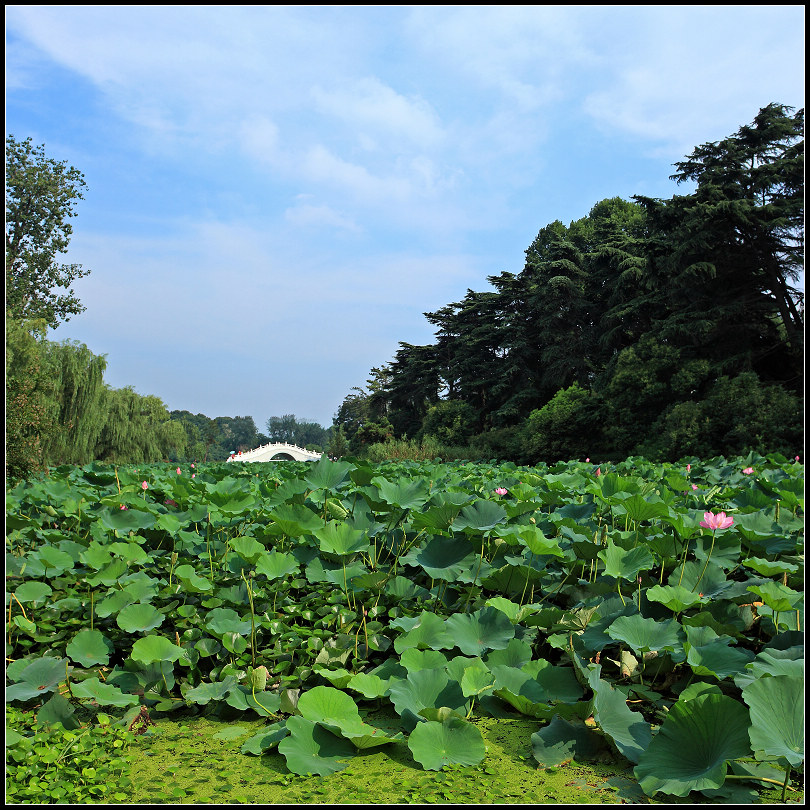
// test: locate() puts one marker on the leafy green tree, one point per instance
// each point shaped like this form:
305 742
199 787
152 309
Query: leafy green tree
41 194
296 431
450 422
724 260
137 429
566 427
28 392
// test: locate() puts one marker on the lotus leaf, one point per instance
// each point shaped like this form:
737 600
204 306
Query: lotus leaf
621 564
33 592
429 632
643 635
694 745
276 564
311 749
37 677
152 649
777 717
486 629
103 693
264 740
225 620
452 742
90 647
139 618
561 741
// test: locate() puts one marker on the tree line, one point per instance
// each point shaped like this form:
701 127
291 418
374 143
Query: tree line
663 328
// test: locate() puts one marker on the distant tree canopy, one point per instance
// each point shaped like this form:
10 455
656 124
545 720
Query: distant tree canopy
624 329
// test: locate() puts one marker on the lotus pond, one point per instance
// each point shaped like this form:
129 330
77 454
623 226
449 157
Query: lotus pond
337 617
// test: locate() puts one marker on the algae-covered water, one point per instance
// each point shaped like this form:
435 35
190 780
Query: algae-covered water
198 760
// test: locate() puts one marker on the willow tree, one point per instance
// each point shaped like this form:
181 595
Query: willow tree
137 429
77 403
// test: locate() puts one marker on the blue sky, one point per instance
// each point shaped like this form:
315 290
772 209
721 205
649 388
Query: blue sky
276 194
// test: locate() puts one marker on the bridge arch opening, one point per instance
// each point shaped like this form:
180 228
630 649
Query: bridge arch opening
282 457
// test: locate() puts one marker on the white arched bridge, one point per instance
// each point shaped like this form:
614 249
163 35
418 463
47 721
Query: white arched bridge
278 451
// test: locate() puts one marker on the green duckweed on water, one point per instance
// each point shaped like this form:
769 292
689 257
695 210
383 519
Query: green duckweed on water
197 760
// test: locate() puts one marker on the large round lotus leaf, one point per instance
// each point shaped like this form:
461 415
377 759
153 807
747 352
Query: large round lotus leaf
326 474
777 717
276 564
406 494
629 730
311 749
205 692
401 588
264 704
476 681
718 658
341 539
425 688
534 539
226 620
139 617
57 710
452 742
90 647
777 597
115 602
103 693
516 653
451 559
369 686
769 568
125 520
140 585
269 737
247 548
481 516
644 635
486 629
413 659
191 579
773 662
55 561
37 677
331 708
437 518
151 649
675 597
639 508
372 737
693 746
95 556
622 564
560 742
430 632
128 552
33 591
295 519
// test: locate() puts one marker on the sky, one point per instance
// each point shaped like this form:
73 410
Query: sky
277 194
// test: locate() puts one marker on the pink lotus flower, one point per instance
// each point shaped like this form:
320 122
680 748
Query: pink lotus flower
192 465
124 507
748 470
587 459
144 486
715 522
688 467
694 487
178 471
193 474
598 471
170 502
501 491
797 458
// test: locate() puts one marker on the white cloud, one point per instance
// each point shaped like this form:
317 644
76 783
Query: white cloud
369 106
